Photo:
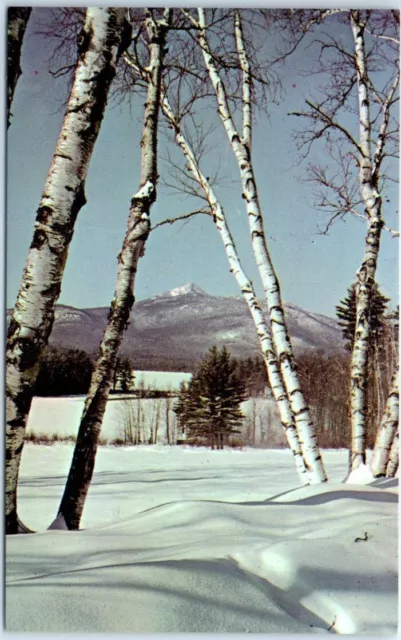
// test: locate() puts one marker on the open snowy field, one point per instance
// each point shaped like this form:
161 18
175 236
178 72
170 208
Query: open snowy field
191 540
161 380
61 416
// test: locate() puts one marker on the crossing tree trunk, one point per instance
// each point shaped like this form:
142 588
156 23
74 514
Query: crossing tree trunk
82 466
61 201
18 18
241 145
247 290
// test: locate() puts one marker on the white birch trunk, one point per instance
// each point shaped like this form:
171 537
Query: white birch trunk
386 432
263 332
393 461
367 272
18 18
138 228
61 201
242 150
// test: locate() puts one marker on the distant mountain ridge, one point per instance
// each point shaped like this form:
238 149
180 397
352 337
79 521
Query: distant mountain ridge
172 330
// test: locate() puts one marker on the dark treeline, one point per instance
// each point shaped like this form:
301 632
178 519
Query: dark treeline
68 372
63 372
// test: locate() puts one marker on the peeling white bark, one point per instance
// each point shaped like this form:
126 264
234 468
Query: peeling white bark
18 18
387 431
61 201
138 228
263 332
242 150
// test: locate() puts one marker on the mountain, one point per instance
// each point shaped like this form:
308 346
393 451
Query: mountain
172 330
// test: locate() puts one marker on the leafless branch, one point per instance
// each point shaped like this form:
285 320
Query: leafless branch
190 18
185 216
320 115
380 144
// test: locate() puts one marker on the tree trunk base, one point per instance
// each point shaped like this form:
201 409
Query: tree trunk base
14 525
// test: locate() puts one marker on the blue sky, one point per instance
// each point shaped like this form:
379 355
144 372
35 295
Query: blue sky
314 270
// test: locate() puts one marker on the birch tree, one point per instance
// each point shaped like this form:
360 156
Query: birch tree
186 106
138 227
61 201
364 80
369 167
392 466
18 18
241 143
387 431
247 290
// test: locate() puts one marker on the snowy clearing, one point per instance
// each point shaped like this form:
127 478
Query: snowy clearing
62 415
191 540
161 380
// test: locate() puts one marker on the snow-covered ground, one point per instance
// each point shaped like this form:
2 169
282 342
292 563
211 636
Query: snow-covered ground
191 540
161 380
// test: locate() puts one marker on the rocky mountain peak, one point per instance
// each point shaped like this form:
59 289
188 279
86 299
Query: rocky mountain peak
190 288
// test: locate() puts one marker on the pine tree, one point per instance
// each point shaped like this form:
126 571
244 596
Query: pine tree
346 312
381 352
123 376
208 408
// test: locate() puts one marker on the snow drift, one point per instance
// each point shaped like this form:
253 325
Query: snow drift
182 540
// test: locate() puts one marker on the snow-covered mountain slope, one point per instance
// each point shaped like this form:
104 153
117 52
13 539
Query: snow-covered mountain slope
175 328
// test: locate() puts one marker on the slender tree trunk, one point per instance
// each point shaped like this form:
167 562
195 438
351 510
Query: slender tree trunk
139 419
18 18
167 408
157 421
242 150
367 272
387 430
82 466
392 465
248 292
61 201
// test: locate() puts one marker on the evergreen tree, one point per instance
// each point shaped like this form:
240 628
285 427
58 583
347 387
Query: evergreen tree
382 351
123 376
346 312
208 408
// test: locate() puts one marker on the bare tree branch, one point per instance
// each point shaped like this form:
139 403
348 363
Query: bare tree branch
185 216
320 115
